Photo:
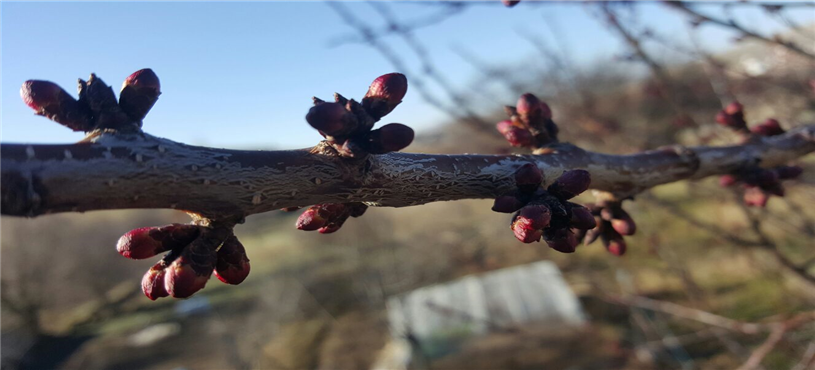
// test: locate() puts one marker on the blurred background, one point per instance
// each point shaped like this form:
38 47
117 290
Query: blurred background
444 285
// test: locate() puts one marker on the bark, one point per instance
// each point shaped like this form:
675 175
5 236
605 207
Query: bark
137 170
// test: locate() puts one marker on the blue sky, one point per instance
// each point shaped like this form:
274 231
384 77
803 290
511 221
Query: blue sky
241 75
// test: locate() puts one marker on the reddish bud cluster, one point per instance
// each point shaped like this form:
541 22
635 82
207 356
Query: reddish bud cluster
193 256
97 106
329 217
347 125
546 213
612 224
530 123
770 127
759 183
732 116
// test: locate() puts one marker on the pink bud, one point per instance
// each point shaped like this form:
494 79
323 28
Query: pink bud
734 108
520 137
624 225
332 119
390 138
232 266
528 177
152 284
727 180
139 93
384 94
616 247
571 184
51 101
528 106
529 222
755 197
147 242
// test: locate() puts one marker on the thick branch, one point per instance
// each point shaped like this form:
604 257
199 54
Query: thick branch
117 171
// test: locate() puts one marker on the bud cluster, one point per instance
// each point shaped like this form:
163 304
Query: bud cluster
760 183
97 107
348 125
547 213
329 217
194 254
530 123
613 222
732 117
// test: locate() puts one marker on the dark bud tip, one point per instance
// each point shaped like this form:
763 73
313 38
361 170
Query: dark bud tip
788 172
51 101
510 3
528 177
582 219
139 93
390 138
384 94
318 216
232 266
507 204
331 118
147 242
571 184
562 240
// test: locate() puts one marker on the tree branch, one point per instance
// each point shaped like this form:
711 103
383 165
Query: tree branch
137 170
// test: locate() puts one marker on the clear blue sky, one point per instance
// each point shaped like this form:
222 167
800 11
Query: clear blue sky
241 75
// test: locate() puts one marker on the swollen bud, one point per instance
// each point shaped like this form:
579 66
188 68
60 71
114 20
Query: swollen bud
582 219
529 222
561 240
384 94
755 197
152 284
734 108
190 272
331 119
516 136
571 184
320 215
727 180
233 264
101 100
529 107
390 138
147 242
510 3
623 223
528 178
139 93
51 101
507 204
770 127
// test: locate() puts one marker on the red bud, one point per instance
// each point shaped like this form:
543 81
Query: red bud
517 136
190 272
390 138
139 93
233 264
734 108
727 180
147 242
332 119
529 106
529 222
528 177
51 101
624 225
770 127
510 3
320 215
571 184
755 197
152 284
616 247
384 94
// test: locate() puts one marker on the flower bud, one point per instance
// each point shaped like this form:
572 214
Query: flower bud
139 93
623 223
561 240
788 172
320 215
571 183
147 242
755 197
726 181
51 101
390 138
510 3
529 222
152 284
101 100
507 204
384 94
190 272
734 108
582 218
331 119
616 247
528 178
528 107
770 127
232 266
518 136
